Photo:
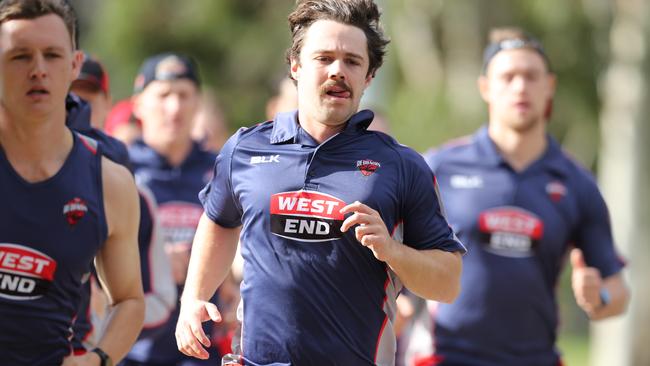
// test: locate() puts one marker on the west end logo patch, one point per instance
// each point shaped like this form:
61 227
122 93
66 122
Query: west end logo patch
74 210
510 231
25 273
367 166
306 216
178 221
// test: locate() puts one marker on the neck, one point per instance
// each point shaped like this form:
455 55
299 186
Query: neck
318 130
36 149
519 148
175 152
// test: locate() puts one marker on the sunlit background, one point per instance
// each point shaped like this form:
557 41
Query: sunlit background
427 89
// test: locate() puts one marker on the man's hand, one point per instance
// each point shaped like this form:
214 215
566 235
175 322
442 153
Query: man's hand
190 337
586 282
371 232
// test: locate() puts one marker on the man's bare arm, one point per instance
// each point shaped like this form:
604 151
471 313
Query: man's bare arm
118 262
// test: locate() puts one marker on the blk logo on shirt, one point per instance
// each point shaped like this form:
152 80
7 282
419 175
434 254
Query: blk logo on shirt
510 231
25 273
265 159
306 216
466 181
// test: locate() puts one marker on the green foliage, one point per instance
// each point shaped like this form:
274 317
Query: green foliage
238 44
240 47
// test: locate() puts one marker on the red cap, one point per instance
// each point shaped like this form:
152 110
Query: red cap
121 114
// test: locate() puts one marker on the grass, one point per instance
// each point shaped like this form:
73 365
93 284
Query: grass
574 349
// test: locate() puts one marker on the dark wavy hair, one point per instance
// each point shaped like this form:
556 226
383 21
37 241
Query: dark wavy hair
363 14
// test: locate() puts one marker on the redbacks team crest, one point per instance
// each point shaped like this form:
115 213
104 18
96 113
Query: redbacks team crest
74 210
367 167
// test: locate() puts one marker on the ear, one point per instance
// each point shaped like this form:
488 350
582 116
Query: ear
295 68
137 105
77 61
484 87
369 78
552 83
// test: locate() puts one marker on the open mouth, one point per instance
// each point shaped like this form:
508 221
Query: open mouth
37 91
338 90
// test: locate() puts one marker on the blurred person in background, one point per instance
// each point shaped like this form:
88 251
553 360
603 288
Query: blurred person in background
122 124
92 85
318 199
285 98
157 282
166 99
520 204
210 127
86 203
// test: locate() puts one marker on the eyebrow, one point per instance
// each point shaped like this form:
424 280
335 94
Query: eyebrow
347 54
24 49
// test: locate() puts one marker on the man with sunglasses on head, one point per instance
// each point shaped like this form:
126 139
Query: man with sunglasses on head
520 204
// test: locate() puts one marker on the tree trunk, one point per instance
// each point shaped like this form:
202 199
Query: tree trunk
624 179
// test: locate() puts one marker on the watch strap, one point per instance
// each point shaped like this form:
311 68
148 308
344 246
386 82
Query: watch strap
605 297
103 356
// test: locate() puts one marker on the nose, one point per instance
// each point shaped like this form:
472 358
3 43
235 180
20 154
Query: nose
39 70
335 70
173 104
519 83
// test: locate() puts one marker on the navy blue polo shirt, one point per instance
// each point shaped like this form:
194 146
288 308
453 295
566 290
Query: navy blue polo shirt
179 210
313 295
517 227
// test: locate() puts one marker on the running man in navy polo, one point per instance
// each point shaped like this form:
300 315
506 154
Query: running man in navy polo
64 204
174 168
86 116
335 218
519 204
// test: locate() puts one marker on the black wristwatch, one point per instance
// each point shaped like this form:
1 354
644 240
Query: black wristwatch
105 358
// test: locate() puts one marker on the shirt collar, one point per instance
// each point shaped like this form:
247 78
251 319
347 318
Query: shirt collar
144 152
286 127
487 150
552 159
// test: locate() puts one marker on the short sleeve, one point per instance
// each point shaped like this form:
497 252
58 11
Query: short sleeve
594 232
425 225
217 197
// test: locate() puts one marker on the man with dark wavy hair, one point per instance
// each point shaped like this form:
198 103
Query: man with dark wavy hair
334 218
63 203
